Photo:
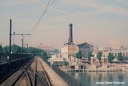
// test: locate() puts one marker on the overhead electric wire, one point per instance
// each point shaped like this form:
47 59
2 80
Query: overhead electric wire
40 17
45 10
50 5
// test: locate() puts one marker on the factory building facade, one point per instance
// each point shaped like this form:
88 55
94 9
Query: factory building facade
85 48
69 49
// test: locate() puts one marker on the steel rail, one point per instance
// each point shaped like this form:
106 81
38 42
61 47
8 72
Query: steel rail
41 78
17 79
28 77
12 72
27 70
46 82
46 75
24 69
3 78
35 77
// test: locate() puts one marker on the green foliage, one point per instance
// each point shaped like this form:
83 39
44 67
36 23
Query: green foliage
39 52
35 50
16 49
120 57
25 50
6 49
44 55
65 63
79 55
110 57
1 50
99 55
89 55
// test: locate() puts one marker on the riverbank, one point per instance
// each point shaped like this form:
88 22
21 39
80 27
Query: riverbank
102 68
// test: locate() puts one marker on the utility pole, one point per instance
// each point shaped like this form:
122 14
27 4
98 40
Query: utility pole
22 40
22 45
10 37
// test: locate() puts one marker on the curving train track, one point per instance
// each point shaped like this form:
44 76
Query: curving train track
31 74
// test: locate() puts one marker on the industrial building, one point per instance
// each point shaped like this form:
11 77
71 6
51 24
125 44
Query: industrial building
69 49
85 48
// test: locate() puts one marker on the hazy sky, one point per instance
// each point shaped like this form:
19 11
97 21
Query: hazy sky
94 21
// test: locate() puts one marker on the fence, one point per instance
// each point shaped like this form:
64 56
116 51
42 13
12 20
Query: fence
9 65
5 58
71 81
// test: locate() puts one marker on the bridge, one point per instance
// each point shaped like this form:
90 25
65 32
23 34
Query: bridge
29 70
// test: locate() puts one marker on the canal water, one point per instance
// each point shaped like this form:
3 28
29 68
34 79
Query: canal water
102 78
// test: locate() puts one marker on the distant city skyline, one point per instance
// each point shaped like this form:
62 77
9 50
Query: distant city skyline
94 21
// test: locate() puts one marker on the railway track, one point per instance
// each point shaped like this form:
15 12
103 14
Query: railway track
42 73
31 74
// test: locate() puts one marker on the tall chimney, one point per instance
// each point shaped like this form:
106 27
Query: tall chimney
70 34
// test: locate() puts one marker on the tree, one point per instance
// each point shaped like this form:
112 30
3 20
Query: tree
39 52
6 49
79 55
16 49
44 54
65 63
1 50
120 57
110 57
99 55
34 50
89 55
25 50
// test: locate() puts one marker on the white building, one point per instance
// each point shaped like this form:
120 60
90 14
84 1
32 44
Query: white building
69 50
56 60
115 52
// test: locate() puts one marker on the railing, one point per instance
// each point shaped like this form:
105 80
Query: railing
5 58
71 81
9 65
